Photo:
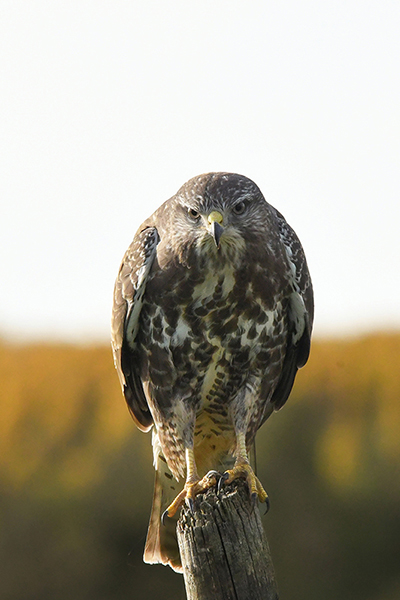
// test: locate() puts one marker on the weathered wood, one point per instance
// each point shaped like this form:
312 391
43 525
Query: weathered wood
224 550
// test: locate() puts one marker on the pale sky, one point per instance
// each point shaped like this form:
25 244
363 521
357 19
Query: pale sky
108 107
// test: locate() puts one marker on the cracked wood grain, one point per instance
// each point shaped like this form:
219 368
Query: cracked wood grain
224 550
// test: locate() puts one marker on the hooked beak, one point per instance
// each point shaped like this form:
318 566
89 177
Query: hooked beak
215 219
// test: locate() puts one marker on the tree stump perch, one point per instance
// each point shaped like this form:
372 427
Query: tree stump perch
224 550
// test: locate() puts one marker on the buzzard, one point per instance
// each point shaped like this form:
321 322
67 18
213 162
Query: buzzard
212 318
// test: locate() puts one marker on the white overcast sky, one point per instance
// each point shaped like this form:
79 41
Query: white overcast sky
107 107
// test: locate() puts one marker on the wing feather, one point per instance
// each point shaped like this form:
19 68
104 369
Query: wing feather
300 312
129 291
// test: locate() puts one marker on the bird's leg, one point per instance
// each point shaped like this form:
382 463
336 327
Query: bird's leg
242 469
193 485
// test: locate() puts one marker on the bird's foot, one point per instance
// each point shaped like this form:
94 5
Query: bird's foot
244 471
189 492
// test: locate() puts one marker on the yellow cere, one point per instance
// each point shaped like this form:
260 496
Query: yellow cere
215 216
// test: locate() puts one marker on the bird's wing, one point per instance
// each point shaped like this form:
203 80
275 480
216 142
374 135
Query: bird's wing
300 312
128 300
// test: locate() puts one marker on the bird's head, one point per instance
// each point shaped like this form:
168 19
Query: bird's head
218 215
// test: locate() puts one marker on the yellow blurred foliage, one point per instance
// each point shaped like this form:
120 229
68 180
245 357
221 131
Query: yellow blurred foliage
76 477
338 453
50 393
59 395
360 380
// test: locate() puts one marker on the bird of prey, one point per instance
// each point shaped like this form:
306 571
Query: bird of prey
212 318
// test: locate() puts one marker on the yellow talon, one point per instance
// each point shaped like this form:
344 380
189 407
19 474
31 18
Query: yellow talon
243 470
189 492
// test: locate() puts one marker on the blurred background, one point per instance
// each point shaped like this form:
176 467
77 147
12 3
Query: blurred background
107 108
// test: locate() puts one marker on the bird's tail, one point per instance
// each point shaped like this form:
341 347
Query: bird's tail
161 543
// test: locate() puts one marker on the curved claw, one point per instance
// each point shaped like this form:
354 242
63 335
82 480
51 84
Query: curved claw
267 505
164 516
222 480
213 475
254 498
190 504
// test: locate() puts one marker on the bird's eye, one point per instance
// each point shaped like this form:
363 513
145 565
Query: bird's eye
193 214
239 208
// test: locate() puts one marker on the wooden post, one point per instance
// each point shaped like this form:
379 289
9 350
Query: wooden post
225 554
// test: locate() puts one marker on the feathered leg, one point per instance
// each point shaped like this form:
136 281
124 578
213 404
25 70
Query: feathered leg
240 413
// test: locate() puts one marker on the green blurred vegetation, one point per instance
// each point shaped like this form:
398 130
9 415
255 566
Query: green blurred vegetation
76 478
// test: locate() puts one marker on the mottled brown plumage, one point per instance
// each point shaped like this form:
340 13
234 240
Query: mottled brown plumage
212 318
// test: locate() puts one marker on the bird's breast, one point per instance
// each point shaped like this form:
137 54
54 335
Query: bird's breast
216 315
202 335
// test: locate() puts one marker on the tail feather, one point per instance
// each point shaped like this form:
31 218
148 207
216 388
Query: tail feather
161 543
